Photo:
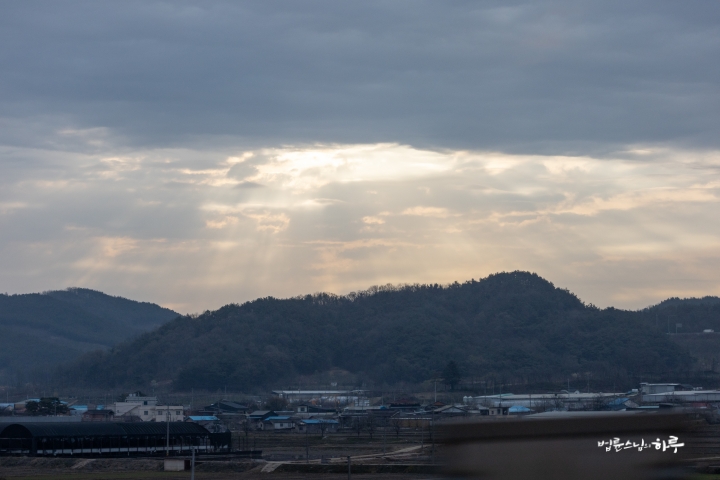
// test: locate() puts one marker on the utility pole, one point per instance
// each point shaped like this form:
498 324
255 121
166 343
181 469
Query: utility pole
167 437
192 465
432 436
384 425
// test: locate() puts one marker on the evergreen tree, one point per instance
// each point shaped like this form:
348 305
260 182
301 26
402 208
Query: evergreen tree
451 374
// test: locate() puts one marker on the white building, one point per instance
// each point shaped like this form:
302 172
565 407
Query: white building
683 396
148 410
573 401
338 397
653 388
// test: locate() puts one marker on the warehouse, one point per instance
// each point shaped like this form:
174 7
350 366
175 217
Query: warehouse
107 438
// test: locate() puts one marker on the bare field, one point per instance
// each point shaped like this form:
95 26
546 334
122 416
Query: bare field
277 448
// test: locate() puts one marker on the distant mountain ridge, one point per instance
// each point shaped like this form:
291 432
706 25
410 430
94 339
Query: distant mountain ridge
507 328
41 330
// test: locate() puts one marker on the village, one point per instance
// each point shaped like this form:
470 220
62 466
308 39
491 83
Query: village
302 411
359 413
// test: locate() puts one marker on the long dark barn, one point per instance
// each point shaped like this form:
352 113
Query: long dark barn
107 438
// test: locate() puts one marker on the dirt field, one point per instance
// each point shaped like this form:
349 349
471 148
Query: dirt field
327 459
99 469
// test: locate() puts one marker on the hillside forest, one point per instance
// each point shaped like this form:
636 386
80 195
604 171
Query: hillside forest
43 330
507 329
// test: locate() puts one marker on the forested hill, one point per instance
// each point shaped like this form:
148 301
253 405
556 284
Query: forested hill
41 330
509 327
694 314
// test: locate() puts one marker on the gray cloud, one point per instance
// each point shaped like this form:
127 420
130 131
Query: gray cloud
538 76
196 154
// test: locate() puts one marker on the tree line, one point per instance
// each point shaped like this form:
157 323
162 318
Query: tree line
507 328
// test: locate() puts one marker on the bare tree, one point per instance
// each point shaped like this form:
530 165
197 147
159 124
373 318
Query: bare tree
323 427
396 423
372 424
357 425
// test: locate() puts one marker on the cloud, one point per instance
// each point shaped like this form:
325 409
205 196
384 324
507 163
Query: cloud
550 77
200 154
618 231
373 220
427 212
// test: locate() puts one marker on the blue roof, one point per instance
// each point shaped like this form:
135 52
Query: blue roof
618 401
313 421
277 418
79 407
518 409
203 418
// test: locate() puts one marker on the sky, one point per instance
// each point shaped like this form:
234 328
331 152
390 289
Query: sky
195 154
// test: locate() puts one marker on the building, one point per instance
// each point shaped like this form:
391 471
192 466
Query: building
653 388
98 416
498 410
519 410
478 410
305 410
548 401
109 438
381 411
256 418
338 397
224 407
276 423
5 420
78 409
450 411
683 397
203 420
147 409
211 422
406 407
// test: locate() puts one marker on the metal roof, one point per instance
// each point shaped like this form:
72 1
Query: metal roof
519 409
203 418
260 413
99 429
315 392
6 420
